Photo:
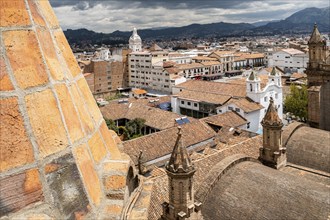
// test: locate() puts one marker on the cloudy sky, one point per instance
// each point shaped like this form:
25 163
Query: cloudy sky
111 15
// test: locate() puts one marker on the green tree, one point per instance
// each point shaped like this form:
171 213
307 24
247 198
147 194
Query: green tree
111 125
296 102
134 127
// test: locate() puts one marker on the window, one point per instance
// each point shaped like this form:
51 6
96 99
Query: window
250 87
248 125
265 98
188 103
237 109
182 102
230 108
195 104
219 111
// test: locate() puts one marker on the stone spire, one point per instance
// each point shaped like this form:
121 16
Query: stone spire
272 153
316 36
180 161
180 173
271 118
273 73
253 76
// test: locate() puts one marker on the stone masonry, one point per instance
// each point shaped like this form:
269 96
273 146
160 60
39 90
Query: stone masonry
58 160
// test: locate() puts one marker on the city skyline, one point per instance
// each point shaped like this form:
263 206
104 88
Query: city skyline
111 15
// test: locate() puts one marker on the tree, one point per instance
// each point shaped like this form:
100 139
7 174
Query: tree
134 127
296 102
111 125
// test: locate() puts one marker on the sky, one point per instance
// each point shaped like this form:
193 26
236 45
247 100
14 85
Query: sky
110 15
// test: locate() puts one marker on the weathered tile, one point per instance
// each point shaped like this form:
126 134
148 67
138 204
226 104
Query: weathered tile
16 149
13 13
110 142
69 112
35 13
46 122
90 177
19 190
97 147
91 103
5 83
46 10
66 52
85 118
25 58
66 187
49 51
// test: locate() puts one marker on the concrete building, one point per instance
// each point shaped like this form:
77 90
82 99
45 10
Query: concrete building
290 60
318 79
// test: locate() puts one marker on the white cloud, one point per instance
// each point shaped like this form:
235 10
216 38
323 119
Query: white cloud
109 16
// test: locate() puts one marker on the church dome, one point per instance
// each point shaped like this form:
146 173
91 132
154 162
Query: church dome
135 38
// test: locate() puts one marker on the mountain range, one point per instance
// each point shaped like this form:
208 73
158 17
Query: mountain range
300 22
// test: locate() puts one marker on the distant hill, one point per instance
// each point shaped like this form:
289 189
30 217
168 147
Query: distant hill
299 22
262 23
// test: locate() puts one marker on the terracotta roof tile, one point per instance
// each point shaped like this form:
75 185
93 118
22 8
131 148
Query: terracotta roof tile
246 104
231 119
199 96
161 143
222 88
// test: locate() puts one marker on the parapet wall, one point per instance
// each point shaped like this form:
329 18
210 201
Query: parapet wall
58 159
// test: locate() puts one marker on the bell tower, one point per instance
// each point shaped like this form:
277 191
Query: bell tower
318 78
135 42
180 173
272 153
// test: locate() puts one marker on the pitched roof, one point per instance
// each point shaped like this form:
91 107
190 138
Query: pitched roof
160 144
222 88
179 161
204 58
189 66
211 63
155 117
231 119
200 96
246 104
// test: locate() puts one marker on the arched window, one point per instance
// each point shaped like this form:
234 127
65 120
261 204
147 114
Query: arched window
250 87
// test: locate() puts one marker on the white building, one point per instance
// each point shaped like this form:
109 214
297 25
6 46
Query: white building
250 100
258 95
290 60
135 42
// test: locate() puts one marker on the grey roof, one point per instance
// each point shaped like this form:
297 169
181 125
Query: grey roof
307 146
250 190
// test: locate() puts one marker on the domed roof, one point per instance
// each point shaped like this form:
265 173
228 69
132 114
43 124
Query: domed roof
250 190
135 38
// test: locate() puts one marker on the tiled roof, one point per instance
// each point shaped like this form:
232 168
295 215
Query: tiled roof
292 51
200 96
211 63
204 58
231 119
203 165
189 66
155 117
159 144
223 88
246 104
172 70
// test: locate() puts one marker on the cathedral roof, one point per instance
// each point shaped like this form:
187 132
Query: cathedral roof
316 36
246 187
271 118
180 161
307 146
